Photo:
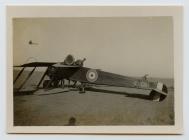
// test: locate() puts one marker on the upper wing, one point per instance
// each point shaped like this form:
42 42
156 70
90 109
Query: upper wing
37 64
59 65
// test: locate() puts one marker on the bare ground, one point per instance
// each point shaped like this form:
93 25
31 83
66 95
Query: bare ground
98 106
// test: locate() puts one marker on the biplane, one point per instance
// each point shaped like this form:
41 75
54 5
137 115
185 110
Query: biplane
74 70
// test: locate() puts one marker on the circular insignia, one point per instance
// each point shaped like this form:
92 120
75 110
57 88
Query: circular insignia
92 75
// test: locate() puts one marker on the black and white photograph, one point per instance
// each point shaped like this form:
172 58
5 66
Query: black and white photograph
93 71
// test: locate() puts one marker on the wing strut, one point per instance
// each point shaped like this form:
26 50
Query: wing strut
18 75
42 78
29 75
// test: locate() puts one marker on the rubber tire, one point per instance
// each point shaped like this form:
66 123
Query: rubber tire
56 83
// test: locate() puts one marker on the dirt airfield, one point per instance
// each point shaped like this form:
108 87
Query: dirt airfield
100 105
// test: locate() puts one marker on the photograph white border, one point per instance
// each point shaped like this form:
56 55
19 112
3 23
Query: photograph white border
100 11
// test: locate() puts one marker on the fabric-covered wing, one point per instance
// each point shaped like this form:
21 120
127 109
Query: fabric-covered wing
98 77
37 64
59 65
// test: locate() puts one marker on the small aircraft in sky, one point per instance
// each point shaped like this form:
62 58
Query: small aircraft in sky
74 70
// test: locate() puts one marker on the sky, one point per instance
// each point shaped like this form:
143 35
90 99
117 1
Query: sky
132 46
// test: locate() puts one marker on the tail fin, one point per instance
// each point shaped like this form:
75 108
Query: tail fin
159 93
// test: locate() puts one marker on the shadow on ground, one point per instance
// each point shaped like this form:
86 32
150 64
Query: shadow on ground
126 94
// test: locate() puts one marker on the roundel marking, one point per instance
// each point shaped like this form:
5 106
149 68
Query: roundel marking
92 75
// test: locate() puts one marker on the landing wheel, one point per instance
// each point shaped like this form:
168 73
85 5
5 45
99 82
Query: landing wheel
55 83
